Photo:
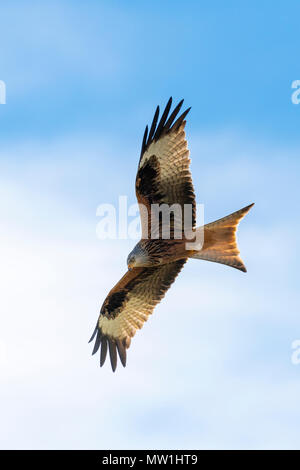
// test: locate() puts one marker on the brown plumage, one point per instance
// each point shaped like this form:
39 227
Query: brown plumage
163 178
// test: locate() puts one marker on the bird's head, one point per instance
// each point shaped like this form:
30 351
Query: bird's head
138 257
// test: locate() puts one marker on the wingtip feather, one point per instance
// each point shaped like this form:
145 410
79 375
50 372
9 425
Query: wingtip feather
97 342
103 351
165 124
94 333
113 354
122 352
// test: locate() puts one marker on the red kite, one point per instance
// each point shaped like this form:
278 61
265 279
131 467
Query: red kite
163 177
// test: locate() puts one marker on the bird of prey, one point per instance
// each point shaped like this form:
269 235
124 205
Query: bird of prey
163 177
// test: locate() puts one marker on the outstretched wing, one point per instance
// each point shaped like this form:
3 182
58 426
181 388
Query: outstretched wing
128 306
163 175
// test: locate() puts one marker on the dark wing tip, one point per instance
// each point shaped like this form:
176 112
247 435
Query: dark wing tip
103 351
110 344
163 119
113 346
122 352
112 353
173 116
94 333
166 124
153 125
180 120
144 143
97 342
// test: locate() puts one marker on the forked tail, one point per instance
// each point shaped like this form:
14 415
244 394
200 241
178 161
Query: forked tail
220 242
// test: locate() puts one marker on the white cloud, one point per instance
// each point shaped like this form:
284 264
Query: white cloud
211 368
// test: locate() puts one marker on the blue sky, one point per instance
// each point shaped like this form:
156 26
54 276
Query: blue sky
212 368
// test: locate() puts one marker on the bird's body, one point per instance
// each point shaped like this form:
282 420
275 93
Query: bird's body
166 198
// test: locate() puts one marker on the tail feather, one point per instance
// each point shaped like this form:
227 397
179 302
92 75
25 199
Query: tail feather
220 242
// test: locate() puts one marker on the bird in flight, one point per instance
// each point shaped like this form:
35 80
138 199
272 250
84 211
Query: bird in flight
163 179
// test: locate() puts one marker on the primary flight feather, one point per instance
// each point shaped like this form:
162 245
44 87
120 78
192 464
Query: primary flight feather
163 178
